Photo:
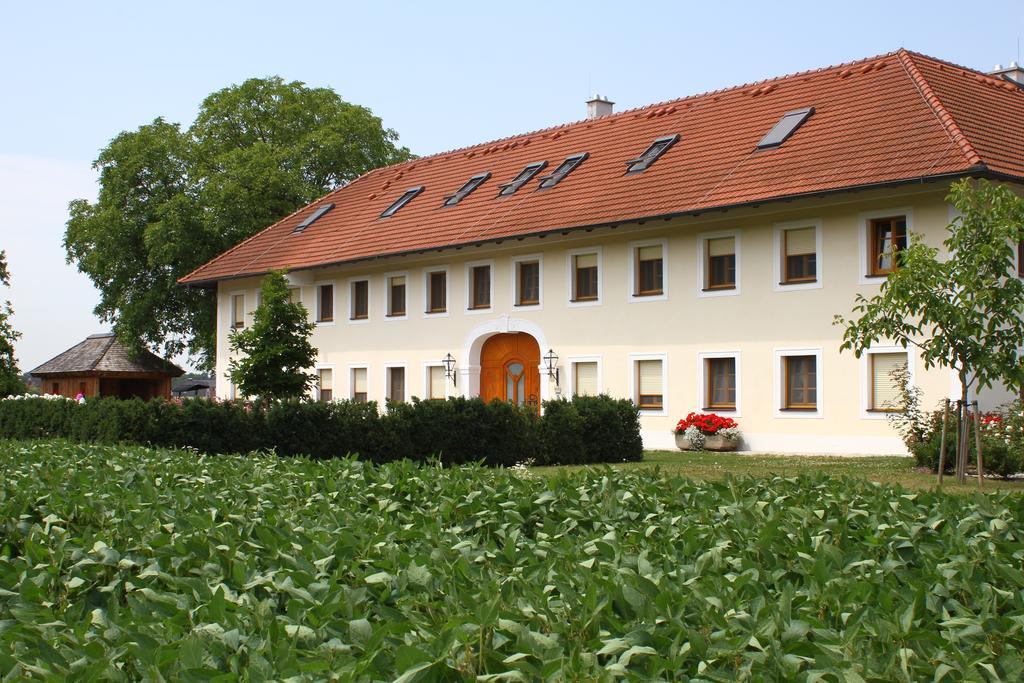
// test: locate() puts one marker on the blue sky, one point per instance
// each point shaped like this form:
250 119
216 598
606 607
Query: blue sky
443 75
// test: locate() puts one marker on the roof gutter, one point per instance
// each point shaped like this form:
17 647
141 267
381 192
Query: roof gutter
976 171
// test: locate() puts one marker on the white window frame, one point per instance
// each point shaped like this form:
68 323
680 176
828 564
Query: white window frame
633 391
426 291
702 248
702 381
470 265
350 284
864 225
571 362
387 295
334 293
631 254
866 390
570 277
526 258
352 385
427 364
334 380
388 366
779 387
778 244
231 309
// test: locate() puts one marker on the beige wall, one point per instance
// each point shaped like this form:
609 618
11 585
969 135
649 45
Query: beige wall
758 322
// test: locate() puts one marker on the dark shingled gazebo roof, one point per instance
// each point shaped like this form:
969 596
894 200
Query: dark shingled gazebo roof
104 353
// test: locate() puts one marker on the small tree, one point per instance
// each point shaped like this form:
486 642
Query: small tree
964 311
275 349
10 376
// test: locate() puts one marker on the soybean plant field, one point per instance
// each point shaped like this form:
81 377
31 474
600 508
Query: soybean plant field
133 564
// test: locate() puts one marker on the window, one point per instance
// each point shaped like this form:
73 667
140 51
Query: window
55 389
799 257
325 383
295 295
470 185
311 218
585 379
650 270
238 310
435 382
406 197
437 291
584 277
786 126
657 148
720 381
396 384
525 176
885 392
886 236
527 282
801 382
325 303
649 381
396 296
360 290
359 384
480 287
720 268
564 169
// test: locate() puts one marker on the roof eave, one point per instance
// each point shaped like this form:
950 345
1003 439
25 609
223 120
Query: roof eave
979 170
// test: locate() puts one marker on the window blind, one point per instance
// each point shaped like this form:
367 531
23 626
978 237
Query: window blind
436 381
721 246
649 253
800 241
650 376
586 379
885 391
589 260
359 380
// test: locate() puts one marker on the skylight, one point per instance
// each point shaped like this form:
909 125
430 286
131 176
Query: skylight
657 148
470 185
311 218
786 126
402 201
564 169
524 177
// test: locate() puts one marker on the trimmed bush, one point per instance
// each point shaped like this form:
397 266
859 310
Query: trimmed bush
458 430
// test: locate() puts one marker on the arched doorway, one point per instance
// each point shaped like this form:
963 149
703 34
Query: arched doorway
510 369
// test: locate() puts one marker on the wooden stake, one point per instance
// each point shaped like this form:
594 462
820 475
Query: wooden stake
942 442
977 444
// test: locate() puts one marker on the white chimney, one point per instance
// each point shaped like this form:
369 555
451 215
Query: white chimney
1014 73
598 106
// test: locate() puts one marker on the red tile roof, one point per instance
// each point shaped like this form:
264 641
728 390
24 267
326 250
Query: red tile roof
889 119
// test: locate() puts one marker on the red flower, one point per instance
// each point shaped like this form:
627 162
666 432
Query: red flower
708 423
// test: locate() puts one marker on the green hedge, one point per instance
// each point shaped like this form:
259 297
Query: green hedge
583 430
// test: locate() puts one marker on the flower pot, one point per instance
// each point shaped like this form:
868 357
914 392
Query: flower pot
682 443
714 442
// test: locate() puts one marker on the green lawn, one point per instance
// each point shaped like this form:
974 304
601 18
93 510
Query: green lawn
714 466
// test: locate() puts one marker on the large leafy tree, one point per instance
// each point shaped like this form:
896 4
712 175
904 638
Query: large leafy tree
963 309
172 199
10 375
274 352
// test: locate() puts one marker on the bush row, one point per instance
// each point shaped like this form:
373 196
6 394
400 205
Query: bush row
583 430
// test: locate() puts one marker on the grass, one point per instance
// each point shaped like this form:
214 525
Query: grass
709 466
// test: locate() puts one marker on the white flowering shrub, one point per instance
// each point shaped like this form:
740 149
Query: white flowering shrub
695 437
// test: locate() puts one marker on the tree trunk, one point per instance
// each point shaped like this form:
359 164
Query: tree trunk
962 447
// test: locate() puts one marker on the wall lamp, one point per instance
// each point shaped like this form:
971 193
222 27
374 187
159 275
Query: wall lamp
551 365
449 368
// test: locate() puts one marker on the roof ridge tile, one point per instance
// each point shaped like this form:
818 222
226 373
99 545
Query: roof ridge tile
941 113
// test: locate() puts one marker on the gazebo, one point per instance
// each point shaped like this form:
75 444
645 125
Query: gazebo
102 366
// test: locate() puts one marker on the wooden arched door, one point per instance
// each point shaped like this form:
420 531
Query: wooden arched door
510 369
